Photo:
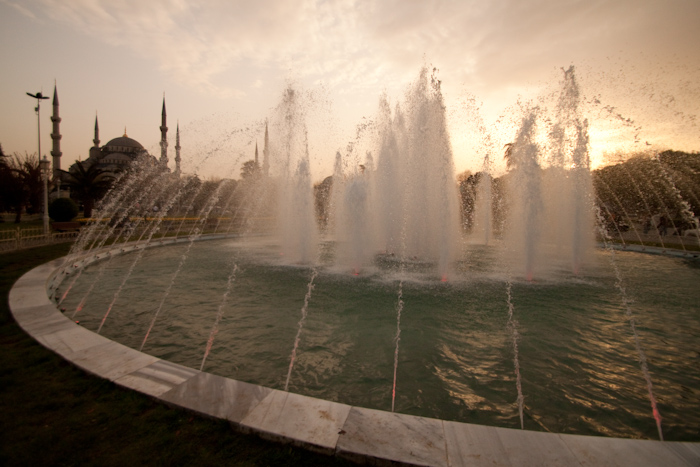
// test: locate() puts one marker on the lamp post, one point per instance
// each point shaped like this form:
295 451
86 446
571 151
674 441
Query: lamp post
45 167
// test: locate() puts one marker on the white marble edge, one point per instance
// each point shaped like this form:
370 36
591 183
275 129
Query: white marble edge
654 250
316 424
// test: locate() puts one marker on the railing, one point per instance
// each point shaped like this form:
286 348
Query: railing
18 238
15 239
182 227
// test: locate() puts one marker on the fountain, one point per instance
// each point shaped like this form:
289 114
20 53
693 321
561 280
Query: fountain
520 323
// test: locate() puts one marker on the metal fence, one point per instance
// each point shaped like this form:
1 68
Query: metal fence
136 228
18 238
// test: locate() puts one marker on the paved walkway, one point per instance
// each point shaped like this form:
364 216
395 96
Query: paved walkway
361 434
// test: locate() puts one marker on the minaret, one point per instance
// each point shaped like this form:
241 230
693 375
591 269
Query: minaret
56 137
177 150
266 154
96 139
95 149
257 165
163 138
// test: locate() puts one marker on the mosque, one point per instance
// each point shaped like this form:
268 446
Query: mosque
118 153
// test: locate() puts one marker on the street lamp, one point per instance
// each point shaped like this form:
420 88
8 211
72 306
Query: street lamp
43 163
45 167
37 109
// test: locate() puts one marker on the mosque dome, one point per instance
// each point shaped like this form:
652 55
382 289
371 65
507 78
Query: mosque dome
123 142
116 158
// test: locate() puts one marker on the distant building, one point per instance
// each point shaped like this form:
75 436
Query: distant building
120 152
117 154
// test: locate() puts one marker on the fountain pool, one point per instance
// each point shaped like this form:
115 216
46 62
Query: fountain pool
579 367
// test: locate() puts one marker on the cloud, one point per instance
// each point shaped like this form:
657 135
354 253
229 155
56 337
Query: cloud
20 8
188 42
363 44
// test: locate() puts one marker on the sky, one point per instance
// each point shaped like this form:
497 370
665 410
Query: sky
223 67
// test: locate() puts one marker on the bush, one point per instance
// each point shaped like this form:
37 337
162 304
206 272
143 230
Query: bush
63 210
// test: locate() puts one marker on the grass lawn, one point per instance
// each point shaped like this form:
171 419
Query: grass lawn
55 414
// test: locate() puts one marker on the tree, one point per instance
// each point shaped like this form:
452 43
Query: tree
250 170
508 156
21 185
63 210
644 187
206 191
322 200
9 185
3 159
467 183
88 184
30 172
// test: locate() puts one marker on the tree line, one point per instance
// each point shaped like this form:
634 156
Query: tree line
634 191
643 188
640 189
22 185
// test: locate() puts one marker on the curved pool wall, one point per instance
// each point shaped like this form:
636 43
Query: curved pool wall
361 434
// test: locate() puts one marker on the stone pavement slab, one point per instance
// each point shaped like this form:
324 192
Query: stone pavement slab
306 421
390 437
158 378
111 360
217 396
71 339
599 451
475 445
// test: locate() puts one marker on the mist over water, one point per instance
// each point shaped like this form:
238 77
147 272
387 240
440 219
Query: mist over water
406 207
399 197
